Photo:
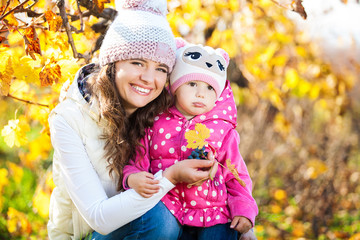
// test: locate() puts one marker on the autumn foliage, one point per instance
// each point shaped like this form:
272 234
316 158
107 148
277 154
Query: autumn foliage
298 116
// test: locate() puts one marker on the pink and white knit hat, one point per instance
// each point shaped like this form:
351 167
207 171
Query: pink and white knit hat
199 63
140 30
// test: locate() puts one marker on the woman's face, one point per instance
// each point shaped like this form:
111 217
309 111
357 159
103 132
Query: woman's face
139 81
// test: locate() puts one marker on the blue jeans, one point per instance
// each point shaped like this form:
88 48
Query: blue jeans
218 232
157 224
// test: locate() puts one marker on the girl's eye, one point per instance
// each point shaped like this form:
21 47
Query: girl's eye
211 88
193 55
221 67
192 84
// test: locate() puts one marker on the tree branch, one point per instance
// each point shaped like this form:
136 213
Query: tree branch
61 6
12 10
27 101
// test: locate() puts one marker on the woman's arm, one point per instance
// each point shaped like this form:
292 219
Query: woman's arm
103 214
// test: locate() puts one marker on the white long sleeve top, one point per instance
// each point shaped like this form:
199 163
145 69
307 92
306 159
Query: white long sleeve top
85 196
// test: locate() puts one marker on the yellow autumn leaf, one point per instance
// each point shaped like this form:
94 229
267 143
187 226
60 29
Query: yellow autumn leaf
38 150
49 182
11 20
16 172
68 69
275 208
54 21
51 73
27 70
315 168
6 72
3 178
196 138
41 202
17 223
14 132
291 79
234 5
281 124
233 170
32 43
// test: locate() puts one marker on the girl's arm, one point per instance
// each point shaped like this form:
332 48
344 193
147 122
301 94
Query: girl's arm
240 199
141 163
104 214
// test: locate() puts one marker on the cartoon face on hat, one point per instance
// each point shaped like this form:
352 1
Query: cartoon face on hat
199 63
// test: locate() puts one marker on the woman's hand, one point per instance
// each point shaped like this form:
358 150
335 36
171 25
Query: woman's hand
143 183
190 171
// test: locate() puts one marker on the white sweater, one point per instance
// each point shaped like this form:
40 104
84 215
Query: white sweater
85 197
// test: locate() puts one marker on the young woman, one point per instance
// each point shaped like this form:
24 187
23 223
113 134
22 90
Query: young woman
96 129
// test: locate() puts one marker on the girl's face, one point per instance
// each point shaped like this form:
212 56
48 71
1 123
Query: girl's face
194 98
139 81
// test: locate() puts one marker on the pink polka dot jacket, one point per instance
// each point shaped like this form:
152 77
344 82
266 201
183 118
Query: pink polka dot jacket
216 201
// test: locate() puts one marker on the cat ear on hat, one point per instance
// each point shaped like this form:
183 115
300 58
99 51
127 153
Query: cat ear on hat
224 54
180 42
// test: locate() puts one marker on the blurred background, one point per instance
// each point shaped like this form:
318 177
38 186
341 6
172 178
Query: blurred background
295 74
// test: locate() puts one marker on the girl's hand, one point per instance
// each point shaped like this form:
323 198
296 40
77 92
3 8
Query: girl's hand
249 235
143 183
241 224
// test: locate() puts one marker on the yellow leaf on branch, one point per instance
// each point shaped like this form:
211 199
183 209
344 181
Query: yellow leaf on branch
196 138
54 21
50 73
11 20
6 72
234 172
32 43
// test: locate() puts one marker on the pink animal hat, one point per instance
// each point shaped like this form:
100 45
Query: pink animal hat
198 62
140 30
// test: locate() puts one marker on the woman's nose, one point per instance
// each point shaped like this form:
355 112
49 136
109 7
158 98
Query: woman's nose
148 75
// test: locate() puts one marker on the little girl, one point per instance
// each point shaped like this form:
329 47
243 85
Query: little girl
202 95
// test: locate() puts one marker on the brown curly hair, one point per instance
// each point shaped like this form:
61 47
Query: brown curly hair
122 133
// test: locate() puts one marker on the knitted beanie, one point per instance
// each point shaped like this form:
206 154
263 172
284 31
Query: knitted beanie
199 63
140 30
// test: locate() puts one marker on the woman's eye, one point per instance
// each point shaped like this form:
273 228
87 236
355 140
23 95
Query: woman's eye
137 63
163 70
221 67
193 55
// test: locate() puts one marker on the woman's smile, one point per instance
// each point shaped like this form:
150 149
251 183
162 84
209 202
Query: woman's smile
141 90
